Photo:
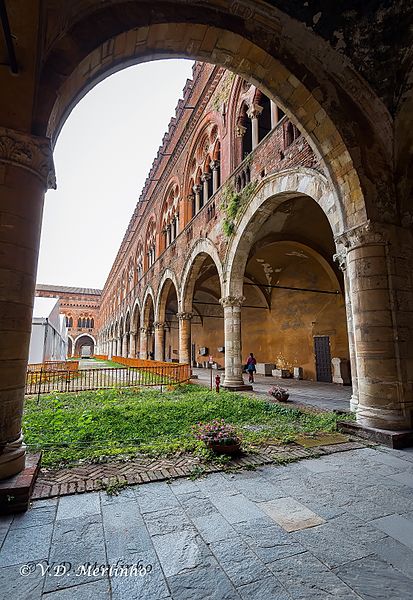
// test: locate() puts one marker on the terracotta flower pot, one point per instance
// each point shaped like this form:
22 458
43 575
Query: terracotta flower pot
230 449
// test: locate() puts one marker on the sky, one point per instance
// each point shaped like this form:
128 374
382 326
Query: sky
102 158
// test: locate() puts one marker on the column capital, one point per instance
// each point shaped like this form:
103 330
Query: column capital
144 330
214 164
184 316
341 259
159 325
240 130
197 188
232 301
254 111
133 332
368 233
29 152
205 176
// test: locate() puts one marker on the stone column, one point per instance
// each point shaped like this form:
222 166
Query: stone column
380 264
205 178
233 350
132 344
184 320
215 175
253 113
340 258
143 353
26 172
274 114
197 191
159 340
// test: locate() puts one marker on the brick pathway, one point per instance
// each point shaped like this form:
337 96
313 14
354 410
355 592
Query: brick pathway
86 478
337 527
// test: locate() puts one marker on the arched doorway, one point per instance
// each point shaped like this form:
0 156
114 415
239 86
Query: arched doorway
166 326
85 346
202 318
147 348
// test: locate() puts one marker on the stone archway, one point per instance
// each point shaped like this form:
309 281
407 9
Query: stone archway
84 340
355 252
135 330
147 325
166 320
203 263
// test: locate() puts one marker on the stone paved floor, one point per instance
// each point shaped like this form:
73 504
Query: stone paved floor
324 396
340 526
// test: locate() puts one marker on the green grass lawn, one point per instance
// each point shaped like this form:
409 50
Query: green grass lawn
105 423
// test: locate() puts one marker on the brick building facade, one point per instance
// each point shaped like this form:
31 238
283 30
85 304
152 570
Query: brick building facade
184 274
80 306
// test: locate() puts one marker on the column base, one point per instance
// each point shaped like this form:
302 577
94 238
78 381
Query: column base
393 439
16 491
241 387
12 458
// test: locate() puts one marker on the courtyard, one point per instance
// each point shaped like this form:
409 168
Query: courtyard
340 526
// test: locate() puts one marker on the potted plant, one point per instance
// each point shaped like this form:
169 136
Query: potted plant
218 436
279 393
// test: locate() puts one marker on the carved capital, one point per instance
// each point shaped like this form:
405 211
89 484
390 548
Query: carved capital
254 111
28 152
197 188
368 233
341 258
184 316
144 330
232 301
240 130
205 176
159 325
214 164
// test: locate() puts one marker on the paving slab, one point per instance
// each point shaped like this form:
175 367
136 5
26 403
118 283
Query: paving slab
397 527
267 540
76 543
208 582
395 554
240 564
149 585
125 531
71 507
236 508
291 514
374 579
26 544
267 588
15 585
307 578
180 551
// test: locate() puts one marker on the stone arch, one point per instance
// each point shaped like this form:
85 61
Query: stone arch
340 143
271 192
168 279
147 298
201 248
136 315
70 345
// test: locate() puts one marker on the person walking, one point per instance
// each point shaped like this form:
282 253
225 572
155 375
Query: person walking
251 362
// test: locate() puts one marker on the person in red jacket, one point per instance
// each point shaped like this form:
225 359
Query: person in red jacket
251 362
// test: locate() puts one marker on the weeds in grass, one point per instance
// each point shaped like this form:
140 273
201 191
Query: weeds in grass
114 487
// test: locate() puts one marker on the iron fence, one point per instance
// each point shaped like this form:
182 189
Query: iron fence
45 381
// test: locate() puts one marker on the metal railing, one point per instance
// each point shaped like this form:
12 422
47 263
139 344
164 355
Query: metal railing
45 381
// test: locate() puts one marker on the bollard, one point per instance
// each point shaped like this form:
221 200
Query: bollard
217 383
